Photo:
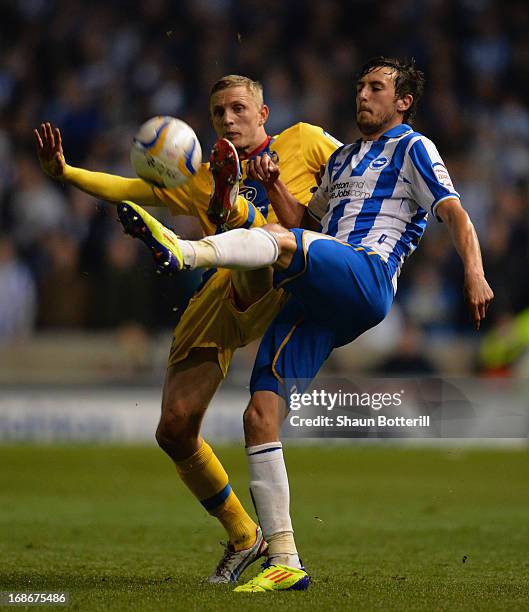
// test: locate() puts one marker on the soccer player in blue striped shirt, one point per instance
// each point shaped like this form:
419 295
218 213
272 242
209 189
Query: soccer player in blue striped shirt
364 220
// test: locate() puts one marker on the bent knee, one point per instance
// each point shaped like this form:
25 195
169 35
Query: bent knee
286 242
177 443
274 228
280 233
262 419
169 432
176 430
254 417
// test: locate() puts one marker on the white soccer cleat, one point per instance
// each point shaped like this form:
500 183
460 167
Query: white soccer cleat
233 563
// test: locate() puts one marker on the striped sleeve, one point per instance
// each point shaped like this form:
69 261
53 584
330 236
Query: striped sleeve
430 182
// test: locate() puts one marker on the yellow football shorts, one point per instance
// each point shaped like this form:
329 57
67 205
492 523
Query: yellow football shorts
212 319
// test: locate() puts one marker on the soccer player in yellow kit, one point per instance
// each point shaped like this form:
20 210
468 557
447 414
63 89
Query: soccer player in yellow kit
231 308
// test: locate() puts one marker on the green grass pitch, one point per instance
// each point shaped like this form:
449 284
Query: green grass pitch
379 528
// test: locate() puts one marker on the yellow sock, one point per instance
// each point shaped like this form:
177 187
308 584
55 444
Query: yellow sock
244 214
207 480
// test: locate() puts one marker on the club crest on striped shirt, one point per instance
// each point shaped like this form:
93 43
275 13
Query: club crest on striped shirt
379 163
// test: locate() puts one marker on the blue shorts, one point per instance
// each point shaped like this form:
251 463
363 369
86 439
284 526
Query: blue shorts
337 292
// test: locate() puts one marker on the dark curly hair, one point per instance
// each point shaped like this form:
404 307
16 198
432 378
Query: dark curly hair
408 79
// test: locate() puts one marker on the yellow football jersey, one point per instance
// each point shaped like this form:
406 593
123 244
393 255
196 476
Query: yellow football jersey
299 151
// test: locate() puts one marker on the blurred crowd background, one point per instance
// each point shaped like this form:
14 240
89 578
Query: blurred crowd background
98 70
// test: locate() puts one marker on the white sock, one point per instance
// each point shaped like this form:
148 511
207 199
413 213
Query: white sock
189 254
238 249
271 496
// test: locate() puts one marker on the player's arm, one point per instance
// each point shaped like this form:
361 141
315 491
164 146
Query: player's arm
99 184
289 211
477 291
429 177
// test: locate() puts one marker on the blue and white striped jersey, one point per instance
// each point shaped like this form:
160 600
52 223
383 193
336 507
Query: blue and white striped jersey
377 194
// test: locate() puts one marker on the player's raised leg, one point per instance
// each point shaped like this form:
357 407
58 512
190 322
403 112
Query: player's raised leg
183 407
238 249
226 209
224 165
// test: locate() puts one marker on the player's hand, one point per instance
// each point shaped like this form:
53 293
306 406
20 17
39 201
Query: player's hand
263 169
478 295
49 150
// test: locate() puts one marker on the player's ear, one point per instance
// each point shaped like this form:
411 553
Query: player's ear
403 104
264 112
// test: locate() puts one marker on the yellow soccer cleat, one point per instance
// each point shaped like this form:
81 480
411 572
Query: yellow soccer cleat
159 239
275 577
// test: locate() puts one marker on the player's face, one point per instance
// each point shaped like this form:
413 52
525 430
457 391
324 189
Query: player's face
377 106
236 116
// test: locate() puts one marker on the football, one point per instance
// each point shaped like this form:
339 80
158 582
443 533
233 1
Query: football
165 152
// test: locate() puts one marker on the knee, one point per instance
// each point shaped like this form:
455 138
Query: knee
274 228
261 421
281 235
254 417
177 431
286 242
169 431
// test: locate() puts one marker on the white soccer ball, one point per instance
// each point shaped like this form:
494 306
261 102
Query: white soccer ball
165 152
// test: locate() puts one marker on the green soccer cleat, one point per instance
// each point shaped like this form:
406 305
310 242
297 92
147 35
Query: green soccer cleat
160 240
275 577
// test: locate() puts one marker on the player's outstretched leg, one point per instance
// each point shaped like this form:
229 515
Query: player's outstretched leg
224 165
238 249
